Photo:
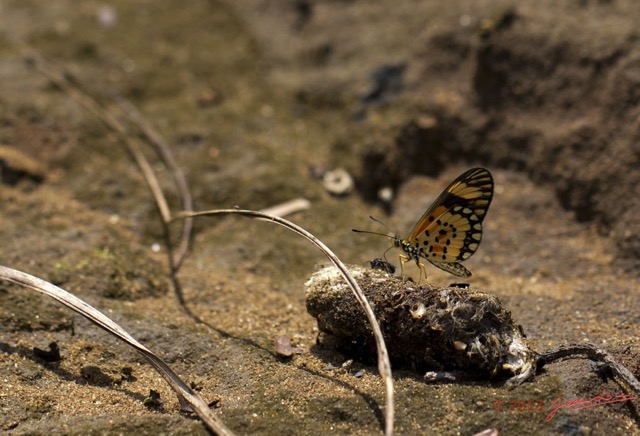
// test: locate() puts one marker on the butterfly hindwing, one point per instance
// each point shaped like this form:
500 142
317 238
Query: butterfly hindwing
455 268
451 229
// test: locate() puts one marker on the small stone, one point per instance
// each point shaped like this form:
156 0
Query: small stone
153 400
338 182
53 355
284 348
385 194
107 17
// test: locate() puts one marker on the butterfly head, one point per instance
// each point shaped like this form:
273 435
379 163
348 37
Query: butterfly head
396 241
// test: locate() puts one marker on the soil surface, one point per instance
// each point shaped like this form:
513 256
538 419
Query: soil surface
258 100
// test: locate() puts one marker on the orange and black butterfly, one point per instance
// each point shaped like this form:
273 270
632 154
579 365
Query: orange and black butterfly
450 231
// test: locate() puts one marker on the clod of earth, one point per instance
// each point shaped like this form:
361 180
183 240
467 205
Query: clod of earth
52 355
153 400
16 166
426 328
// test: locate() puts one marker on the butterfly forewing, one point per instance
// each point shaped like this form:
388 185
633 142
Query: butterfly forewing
451 229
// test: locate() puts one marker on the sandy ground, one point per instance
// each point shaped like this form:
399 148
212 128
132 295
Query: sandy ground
259 99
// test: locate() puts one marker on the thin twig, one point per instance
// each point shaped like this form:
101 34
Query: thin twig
74 88
384 365
110 120
288 207
184 392
164 152
157 142
593 352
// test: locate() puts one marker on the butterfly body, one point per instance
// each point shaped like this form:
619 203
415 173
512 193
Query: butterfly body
450 230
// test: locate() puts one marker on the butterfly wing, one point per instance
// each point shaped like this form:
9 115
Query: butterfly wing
451 229
455 268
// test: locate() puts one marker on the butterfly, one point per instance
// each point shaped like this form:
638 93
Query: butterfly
450 231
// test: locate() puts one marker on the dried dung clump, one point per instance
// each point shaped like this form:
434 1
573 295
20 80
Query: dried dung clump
425 327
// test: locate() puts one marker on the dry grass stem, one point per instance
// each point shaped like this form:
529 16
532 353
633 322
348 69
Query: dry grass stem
185 393
384 365
84 94
288 207
596 354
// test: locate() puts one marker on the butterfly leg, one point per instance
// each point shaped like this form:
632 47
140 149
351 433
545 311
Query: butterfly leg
423 271
403 259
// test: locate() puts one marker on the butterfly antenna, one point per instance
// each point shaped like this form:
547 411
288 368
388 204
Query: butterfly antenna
381 223
376 233
371 233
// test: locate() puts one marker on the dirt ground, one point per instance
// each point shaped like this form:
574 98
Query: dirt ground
257 100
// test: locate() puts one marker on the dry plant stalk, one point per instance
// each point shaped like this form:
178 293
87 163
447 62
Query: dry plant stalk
185 393
117 121
288 207
79 91
596 354
384 365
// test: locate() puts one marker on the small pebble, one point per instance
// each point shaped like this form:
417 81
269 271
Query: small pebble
338 182
107 17
385 194
284 348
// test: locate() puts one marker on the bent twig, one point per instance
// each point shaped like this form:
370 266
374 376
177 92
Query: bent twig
82 93
185 393
384 366
596 354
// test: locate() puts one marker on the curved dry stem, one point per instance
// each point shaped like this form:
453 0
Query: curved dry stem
164 152
61 79
596 354
384 366
82 93
185 393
